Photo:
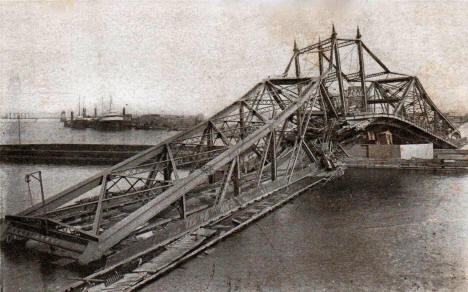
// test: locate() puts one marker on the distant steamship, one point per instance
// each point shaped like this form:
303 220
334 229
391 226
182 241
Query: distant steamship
111 120
108 120
114 121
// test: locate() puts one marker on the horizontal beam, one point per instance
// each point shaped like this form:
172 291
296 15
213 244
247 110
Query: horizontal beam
288 81
393 80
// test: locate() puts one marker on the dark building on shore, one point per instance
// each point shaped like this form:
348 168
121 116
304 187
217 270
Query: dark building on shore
167 122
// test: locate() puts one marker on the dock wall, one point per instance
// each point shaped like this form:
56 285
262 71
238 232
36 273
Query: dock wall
443 159
78 154
392 151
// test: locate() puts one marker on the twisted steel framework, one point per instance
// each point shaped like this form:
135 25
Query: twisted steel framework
282 130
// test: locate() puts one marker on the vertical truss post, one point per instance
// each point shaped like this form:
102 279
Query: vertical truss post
297 65
182 208
154 172
362 72
328 102
151 176
99 211
241 121
167 169
324 108
42 188
242 132
167 173
283 131
264 158
422 102
227 178
236 177
172 162
338 73
299 117
210 142
302 140
332 47
320 57
181 203
272 154
293 159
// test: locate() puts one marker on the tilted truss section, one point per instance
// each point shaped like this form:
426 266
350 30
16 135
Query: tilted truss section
282 130
278 128
360 86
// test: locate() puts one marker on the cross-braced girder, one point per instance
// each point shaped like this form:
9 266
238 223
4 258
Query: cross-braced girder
276 128
360 84
280 131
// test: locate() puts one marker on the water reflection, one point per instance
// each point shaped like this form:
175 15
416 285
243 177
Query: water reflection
52 131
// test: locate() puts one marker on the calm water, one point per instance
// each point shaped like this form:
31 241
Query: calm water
52 131
370 230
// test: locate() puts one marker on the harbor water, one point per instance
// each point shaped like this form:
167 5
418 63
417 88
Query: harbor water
370 230
53 131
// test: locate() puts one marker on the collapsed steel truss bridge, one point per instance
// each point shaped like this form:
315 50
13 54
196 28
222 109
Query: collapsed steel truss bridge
144 215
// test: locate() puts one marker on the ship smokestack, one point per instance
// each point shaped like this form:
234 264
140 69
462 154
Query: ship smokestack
71 116
84 112
123 111
95 112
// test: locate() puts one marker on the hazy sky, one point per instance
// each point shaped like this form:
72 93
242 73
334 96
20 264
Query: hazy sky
197 56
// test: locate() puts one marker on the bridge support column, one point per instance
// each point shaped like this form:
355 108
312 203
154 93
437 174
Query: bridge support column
362 73
338 72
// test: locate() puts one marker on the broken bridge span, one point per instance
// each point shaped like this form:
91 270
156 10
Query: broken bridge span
148 213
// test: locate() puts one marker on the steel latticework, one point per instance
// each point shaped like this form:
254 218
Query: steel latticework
261 137
360 87
284 130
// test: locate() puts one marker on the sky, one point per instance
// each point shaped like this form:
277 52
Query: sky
192 57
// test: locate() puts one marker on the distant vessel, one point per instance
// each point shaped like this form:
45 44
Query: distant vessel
107 120
113 120
63 117
79 123
82 121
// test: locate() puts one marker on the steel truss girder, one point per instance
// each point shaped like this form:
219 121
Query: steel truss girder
277 123
228 139
123 228
384 90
